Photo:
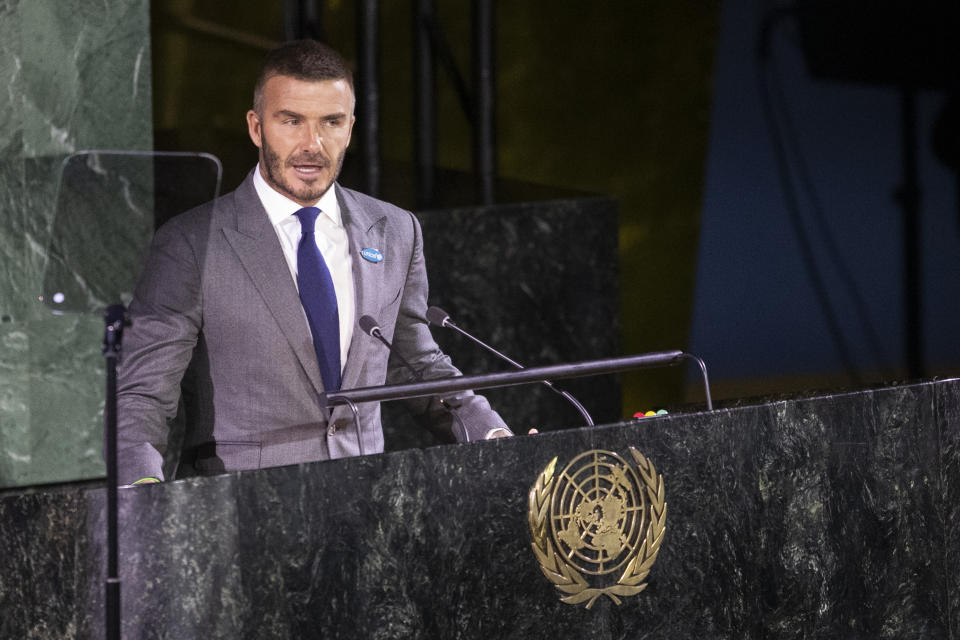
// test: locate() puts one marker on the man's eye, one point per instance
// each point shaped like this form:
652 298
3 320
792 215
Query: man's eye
334 122
291 121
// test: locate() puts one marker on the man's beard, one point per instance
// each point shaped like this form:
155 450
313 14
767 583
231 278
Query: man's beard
275 165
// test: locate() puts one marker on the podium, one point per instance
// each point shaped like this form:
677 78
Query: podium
823 516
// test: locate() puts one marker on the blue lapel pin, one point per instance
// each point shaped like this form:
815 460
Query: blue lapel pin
371 255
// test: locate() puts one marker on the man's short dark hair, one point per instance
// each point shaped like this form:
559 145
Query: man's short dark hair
306 60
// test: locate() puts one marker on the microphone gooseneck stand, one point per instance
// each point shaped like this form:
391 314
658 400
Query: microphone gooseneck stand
703 376
369 326
439 317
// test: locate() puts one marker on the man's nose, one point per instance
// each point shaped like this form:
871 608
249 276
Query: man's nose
313 137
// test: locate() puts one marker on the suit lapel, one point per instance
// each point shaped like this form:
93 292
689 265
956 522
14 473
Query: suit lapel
365 230
257 247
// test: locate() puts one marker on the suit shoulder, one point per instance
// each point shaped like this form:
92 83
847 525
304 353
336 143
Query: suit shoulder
361 201
367 211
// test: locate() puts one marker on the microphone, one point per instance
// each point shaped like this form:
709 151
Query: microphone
370 327
438 317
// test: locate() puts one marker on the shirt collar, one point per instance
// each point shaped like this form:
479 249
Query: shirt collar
279 207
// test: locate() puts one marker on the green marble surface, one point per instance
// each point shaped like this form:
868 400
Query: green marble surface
76 75
10 63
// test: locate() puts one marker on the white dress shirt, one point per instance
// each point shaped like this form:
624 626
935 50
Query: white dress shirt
331 240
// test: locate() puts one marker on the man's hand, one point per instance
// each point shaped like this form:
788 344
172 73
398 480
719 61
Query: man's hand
147 480
503 433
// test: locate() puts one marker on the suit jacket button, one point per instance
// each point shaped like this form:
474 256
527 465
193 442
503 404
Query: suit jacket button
332 429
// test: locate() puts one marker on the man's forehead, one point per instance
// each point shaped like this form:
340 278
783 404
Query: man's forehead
286 92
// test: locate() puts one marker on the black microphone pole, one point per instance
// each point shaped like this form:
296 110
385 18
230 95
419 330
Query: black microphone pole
439 317
505 378
115 319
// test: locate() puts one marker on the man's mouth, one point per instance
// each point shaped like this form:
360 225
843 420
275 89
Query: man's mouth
309 168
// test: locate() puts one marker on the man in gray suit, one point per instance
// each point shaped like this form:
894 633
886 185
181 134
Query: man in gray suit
220 311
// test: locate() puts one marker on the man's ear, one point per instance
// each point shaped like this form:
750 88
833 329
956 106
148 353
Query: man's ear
353 120
253 127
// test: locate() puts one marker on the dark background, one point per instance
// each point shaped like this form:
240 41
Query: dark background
660 104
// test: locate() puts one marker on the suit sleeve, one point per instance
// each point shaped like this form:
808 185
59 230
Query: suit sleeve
166 319
474 417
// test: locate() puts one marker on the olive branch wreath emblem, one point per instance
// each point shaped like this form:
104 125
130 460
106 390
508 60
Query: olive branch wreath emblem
562 573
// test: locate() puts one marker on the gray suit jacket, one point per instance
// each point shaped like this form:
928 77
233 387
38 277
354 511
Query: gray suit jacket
217 309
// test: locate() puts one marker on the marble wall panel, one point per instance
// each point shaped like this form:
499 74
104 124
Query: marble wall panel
11 166
12 235
15 441
86 76
15 438
76 75
67 383
11 63
38 207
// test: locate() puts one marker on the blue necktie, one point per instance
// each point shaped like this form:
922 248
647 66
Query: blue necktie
319 300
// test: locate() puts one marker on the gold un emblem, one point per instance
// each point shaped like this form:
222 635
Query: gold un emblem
601 517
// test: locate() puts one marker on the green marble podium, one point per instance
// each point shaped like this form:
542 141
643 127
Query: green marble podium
833 516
